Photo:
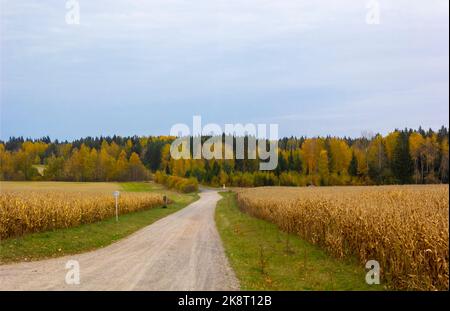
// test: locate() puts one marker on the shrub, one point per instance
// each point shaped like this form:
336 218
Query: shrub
185 185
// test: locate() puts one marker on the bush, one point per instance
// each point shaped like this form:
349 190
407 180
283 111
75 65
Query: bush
185 185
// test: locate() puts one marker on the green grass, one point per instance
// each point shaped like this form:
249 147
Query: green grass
264 258
141 187
91 236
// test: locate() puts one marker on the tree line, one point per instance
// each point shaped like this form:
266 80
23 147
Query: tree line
400 157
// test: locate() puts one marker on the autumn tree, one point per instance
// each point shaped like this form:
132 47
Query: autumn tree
323 167
341 155
310 153
444 166
302 161
121 168
417 151
431 149
377 160
136 169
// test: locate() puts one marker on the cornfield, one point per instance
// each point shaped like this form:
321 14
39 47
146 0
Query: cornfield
25 212
404 228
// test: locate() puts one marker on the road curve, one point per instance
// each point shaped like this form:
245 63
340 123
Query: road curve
182 251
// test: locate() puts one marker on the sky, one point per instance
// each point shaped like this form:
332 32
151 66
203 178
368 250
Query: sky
315 67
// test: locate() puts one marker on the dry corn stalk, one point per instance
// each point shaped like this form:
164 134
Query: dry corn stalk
404 228
24 212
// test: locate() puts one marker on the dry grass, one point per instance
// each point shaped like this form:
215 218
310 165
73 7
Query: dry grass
404 228
35 208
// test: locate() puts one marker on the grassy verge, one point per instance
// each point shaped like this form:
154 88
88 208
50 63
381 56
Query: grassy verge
264 258
91 236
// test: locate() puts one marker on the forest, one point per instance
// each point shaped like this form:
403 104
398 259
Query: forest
400 157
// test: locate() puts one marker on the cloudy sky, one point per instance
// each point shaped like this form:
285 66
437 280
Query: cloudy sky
315 67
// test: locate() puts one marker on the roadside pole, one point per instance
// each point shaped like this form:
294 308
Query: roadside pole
116 195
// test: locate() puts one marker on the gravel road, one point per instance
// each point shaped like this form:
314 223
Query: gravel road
180 252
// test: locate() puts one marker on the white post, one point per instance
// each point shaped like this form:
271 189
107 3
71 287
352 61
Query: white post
116 195
117 211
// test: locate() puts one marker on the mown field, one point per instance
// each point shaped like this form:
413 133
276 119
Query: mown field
50 219
80 187
404 228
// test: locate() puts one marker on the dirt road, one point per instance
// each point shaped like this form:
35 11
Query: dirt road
180 252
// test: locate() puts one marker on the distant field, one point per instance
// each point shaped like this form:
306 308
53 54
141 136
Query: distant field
91 187
404 228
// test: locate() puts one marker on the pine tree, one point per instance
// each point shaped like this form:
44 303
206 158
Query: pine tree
153 154
353 167
291 163
402 163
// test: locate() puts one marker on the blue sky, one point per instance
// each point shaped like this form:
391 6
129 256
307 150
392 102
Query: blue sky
138 67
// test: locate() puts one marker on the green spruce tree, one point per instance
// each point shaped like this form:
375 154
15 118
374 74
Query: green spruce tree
353 167
402 163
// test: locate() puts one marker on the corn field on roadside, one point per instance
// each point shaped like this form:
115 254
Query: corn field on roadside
23 212
404 228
